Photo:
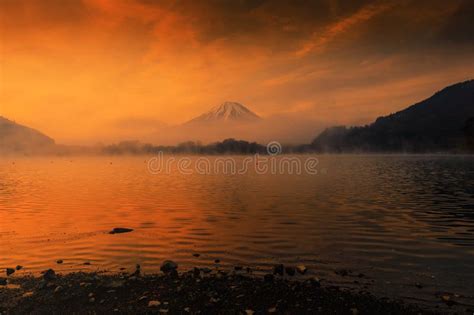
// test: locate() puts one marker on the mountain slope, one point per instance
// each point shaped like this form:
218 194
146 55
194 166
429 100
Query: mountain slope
438 123
227 111
15 138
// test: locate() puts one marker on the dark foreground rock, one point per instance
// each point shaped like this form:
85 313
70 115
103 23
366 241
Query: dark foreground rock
120 230
187 293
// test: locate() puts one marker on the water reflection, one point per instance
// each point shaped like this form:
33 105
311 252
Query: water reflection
395 218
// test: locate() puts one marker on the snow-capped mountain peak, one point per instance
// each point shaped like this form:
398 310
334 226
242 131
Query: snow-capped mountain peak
228 111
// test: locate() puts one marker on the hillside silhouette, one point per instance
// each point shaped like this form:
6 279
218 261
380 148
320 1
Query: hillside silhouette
442 123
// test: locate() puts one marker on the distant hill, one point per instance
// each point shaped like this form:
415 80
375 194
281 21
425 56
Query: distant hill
227 112
442 123
15 138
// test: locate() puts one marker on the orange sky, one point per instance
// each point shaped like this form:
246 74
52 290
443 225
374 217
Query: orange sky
82 70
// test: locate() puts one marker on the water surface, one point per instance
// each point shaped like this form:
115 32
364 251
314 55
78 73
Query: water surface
394 221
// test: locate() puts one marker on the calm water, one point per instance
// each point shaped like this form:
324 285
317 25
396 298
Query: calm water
398 220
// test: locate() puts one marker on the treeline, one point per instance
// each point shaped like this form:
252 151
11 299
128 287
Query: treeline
228 146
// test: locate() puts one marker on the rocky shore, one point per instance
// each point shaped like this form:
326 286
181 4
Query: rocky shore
198 291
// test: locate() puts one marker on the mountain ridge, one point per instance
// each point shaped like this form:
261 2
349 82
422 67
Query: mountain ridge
438 123
18 138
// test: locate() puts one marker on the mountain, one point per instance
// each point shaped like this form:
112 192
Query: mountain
441 123
227 112
15 138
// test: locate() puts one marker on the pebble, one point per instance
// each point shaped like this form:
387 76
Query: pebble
49 275
301 269
119 230
59 261
10 271
278 269
19 267
154 303
58 289
249 312
169 266
3 281
187 309
290 271
196 255
272 310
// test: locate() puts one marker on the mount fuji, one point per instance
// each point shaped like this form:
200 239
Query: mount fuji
227 112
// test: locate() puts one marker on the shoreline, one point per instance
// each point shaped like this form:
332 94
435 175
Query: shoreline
198 291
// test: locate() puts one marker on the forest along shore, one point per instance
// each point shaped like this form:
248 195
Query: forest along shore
195 291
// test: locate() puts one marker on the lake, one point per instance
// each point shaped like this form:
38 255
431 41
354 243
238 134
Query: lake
396 225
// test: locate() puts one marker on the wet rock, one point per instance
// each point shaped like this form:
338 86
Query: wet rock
3 281
291 271
154 303
278 269
10 271
301 269
119 230
19 267
59 261
169 266
49 275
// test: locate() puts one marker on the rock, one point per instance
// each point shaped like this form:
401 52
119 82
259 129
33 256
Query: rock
92 300
58 289
27 294
3 281
119 230
448 300
217 261
91 294
19 267
187 309
278 269
238 268
206 270
272 310
291 271
87 263
354 311
10 271
419 285
143 298
196 255
249 312
169 266
268 277
59 261
154 303
301 269
49 275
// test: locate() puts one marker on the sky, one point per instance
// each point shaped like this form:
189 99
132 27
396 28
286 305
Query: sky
86 71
